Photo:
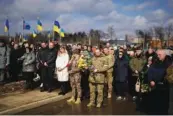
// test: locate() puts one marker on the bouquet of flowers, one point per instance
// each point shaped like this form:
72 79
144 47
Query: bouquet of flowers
82 63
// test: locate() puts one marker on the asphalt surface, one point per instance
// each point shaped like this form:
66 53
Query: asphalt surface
110 107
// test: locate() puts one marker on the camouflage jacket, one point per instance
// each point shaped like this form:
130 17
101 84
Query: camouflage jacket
100 64
169 76
110 62
74 64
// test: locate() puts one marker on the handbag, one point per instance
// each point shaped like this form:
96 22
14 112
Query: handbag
137 86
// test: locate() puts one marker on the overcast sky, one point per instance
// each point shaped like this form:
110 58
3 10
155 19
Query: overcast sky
82 15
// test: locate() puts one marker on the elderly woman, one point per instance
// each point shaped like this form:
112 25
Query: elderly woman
28 67
62 69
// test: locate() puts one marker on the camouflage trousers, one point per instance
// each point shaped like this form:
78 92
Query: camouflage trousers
93 88
109 82
75 82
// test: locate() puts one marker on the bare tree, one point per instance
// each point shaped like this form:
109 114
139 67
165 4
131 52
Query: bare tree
144 34
95 36
159 31
169 32
111 32
140 33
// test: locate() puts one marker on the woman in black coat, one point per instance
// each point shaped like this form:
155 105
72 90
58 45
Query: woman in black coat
121 74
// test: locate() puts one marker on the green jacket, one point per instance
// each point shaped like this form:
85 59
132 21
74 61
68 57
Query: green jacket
136 64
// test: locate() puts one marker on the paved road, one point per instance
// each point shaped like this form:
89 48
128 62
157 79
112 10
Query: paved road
110 107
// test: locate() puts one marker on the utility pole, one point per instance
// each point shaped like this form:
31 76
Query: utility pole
89 39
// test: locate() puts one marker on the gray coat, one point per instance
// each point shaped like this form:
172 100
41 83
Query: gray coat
29 62
4 57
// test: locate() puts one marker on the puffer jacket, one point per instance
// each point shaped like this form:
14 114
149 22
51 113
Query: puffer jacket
28 62
4 56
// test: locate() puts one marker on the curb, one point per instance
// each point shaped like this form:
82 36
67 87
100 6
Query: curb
34 104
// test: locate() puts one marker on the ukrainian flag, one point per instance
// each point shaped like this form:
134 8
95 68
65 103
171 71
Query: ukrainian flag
6 28
26 26
62 32
39 25
56 27
34 34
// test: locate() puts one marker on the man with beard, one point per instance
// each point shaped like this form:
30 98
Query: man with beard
159 96
4 60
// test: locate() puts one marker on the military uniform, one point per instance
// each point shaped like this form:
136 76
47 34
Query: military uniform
169 78
110 62
97 80
75 79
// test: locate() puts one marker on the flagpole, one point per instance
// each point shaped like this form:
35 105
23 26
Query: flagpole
22 28
8 29
53 35
8 33
60 40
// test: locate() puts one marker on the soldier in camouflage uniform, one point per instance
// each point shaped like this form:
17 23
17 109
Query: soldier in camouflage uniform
75 78
110 62
97 78
169 78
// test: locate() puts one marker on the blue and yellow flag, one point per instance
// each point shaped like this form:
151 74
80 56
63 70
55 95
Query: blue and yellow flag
34 34
62 32
56 27
26 26
39 25
6 28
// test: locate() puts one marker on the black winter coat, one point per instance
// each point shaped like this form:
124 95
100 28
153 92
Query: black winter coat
157 71
51 57
121 69
42 56
14 64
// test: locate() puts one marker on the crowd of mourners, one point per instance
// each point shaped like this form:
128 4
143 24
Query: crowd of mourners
94 72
